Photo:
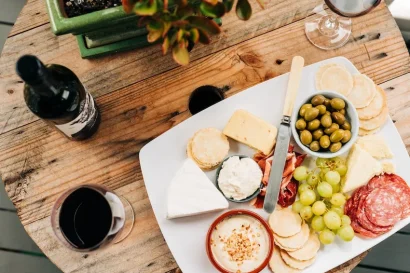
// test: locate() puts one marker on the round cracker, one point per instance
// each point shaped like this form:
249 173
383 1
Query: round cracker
282 247
309 250
375 107
376 122
363 92
296 263
285 222
363 132
202 166
209 146
320 72
337 78
296 241
277 265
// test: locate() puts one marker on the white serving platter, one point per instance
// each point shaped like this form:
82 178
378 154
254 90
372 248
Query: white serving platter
162 157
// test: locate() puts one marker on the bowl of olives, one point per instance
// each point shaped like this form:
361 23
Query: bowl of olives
325 125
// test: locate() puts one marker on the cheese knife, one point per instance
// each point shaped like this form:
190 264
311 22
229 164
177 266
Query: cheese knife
283 138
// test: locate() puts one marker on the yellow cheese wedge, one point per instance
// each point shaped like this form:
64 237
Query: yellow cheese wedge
376 146
252 131
361 167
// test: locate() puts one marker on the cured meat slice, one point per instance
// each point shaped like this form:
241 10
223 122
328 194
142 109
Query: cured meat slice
364 221
383 207
361 230
348 206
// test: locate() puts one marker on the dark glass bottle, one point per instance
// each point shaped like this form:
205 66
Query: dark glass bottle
56 95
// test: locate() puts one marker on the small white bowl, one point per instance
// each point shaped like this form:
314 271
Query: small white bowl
351 116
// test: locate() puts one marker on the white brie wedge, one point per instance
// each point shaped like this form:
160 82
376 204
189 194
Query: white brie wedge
191 193
361 167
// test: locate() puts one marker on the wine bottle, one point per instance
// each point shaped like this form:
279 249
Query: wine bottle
56 95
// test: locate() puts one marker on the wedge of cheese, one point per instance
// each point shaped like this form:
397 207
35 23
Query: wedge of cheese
361 167
191 193
252 131
376 146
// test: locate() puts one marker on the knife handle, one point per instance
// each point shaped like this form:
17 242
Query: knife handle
293 84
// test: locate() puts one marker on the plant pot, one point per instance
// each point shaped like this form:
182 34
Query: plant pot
100 32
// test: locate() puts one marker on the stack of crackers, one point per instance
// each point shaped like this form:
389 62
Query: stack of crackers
208 148
368 98
295 245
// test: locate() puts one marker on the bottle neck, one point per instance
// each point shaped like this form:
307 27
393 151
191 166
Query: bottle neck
45 85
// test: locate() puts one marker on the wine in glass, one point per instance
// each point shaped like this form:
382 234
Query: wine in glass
90 217
330 29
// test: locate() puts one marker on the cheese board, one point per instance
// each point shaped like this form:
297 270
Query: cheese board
260 107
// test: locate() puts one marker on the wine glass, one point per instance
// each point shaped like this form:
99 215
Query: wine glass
90 217
330 29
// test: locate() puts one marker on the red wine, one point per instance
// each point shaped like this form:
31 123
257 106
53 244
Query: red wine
204 97
56 95
352 8
85 218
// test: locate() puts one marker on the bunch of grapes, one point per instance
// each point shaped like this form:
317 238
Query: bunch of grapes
320 200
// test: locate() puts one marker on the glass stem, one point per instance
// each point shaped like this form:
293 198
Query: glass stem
329 25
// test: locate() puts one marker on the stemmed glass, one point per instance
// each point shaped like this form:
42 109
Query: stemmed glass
90 217
330 29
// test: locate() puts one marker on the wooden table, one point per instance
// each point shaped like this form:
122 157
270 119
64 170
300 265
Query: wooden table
141 95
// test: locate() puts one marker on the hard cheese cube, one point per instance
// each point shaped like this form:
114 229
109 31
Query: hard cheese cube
252 131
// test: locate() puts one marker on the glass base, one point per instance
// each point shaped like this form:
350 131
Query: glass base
129 221
327 30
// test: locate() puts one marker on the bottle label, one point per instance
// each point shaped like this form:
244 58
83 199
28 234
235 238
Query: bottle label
87 115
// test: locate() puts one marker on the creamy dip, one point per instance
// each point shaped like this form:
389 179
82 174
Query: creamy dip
239 178
240 243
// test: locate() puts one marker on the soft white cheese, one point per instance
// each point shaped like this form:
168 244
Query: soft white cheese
239 178
191 193
376 146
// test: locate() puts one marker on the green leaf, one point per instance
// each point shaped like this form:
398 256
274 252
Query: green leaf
228 4
179 23
180 35
128 5
165 45
204 24
194 35
185 12
243 10
144 20
214 11
146 7
180 53
166 28
155 30
154 25
203 37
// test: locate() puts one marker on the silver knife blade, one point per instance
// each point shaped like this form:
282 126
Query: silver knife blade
278 164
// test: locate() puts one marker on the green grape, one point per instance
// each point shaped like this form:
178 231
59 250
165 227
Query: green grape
336 161
336 188
319 208
326 237
332 220
346 233
338 199
321 162
307 197
324 189
338 210
318 224
312 179
323 172
303 187
306 212
300 173
317 195
341 169
297 206
332 177
345 220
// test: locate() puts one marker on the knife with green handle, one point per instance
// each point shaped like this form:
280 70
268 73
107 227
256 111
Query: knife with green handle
283 138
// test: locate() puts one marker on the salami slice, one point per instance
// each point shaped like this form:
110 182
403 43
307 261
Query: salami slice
364 221
362 231
383 207
377 182
348 206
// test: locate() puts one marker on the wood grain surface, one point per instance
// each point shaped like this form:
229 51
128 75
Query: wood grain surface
141 95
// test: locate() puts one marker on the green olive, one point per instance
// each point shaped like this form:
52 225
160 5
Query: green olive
311 114
327 113
314 146
334 147
322 109
326 121
346 125
338 118
327 102
318 100
303 109
317 134
337 135
324 142
337 103
343 112
331 129
306 137
313 125
300 124
347 136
